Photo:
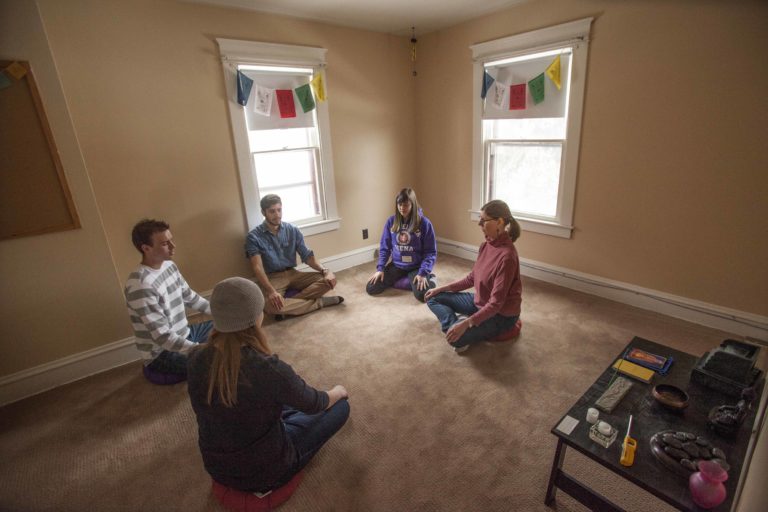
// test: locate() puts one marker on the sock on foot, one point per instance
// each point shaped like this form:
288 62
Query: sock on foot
332 301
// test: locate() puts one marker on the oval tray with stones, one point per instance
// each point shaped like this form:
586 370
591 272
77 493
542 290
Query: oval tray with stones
682 451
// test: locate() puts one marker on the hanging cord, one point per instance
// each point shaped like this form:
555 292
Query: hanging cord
413 51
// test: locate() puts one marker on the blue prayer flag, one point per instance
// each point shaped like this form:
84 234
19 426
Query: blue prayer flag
487 82
244 85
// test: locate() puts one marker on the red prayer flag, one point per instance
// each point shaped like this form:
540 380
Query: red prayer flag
285 102
517 97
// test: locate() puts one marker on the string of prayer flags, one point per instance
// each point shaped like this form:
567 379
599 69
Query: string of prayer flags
263 104
318 86
553 72
517 97
304 93
244 85
498 92
286 103
487 82
536 87
16 70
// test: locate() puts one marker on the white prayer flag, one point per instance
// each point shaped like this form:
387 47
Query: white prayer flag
498 93
263 97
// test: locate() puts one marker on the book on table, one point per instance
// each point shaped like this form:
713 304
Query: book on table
633 370
655 362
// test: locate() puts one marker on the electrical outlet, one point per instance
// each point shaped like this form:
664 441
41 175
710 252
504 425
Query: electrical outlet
365 234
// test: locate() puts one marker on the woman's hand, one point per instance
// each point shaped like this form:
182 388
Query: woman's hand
456 331
335 394
434 291
420 282
377 276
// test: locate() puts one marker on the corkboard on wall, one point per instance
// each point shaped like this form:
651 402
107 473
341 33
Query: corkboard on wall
34 195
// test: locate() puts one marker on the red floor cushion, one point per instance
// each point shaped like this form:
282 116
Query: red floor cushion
241 501
162 379
403 284
512 333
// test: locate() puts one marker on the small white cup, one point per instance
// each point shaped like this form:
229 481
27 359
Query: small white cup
604 428
592 415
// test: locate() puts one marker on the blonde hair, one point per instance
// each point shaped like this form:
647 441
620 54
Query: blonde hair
498 209
225 365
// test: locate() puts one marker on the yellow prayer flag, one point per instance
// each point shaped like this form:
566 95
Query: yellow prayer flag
318 87
16 70
553 72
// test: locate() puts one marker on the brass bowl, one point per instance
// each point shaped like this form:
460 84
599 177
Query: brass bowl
671 397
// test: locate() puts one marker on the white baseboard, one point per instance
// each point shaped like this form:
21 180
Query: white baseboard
41 378
47 376
745 324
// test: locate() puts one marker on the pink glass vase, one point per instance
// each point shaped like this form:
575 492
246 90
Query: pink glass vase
706 485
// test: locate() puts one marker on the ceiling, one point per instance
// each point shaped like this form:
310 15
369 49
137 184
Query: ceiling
388 16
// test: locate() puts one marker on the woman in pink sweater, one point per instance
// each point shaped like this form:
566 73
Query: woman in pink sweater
467 318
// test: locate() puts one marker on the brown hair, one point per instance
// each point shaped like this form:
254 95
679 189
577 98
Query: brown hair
268 201
143 231
225 363
498 209
414 219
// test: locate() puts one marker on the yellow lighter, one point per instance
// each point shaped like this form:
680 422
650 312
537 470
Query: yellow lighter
628 449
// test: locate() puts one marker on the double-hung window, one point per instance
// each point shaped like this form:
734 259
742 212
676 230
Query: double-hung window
287 156
526 136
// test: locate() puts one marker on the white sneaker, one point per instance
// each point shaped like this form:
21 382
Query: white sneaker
459 350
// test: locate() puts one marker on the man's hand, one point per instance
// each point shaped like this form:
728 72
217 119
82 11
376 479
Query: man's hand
456 331
420 282
276 300
377 276
330 277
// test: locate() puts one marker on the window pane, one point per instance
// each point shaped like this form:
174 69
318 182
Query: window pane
526 176
280 168
299 202
268 140
522 129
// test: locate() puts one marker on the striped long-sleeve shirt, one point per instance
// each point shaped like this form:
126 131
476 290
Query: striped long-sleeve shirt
156 300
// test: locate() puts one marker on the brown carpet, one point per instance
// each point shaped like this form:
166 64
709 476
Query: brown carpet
429 430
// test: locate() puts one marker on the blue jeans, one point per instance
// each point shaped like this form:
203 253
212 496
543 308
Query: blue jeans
309 432
176 363
447 305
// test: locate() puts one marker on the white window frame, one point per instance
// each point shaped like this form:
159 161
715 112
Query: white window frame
576 35
236 53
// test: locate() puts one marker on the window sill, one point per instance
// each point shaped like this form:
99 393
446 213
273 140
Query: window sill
535 225
323 226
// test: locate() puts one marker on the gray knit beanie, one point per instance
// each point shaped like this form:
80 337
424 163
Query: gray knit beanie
236 303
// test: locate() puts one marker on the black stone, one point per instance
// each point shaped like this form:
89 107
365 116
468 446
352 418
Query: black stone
692 450
674 452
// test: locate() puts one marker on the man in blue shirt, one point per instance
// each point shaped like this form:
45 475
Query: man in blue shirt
272 247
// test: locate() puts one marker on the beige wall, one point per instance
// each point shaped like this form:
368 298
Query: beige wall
145 91
672 182
60 294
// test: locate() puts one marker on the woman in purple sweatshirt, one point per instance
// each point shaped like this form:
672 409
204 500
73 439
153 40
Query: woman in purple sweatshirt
409 238
467 318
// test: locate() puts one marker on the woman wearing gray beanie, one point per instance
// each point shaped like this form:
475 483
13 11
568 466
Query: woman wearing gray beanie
259 423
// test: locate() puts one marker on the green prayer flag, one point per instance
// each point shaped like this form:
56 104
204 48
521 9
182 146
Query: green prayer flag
536 86
4 80
304 93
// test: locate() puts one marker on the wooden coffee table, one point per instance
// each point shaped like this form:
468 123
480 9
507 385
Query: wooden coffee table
649 418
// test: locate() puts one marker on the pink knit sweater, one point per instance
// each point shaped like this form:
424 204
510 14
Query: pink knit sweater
496 278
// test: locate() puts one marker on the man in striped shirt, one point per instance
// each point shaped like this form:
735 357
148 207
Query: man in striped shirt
156 295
